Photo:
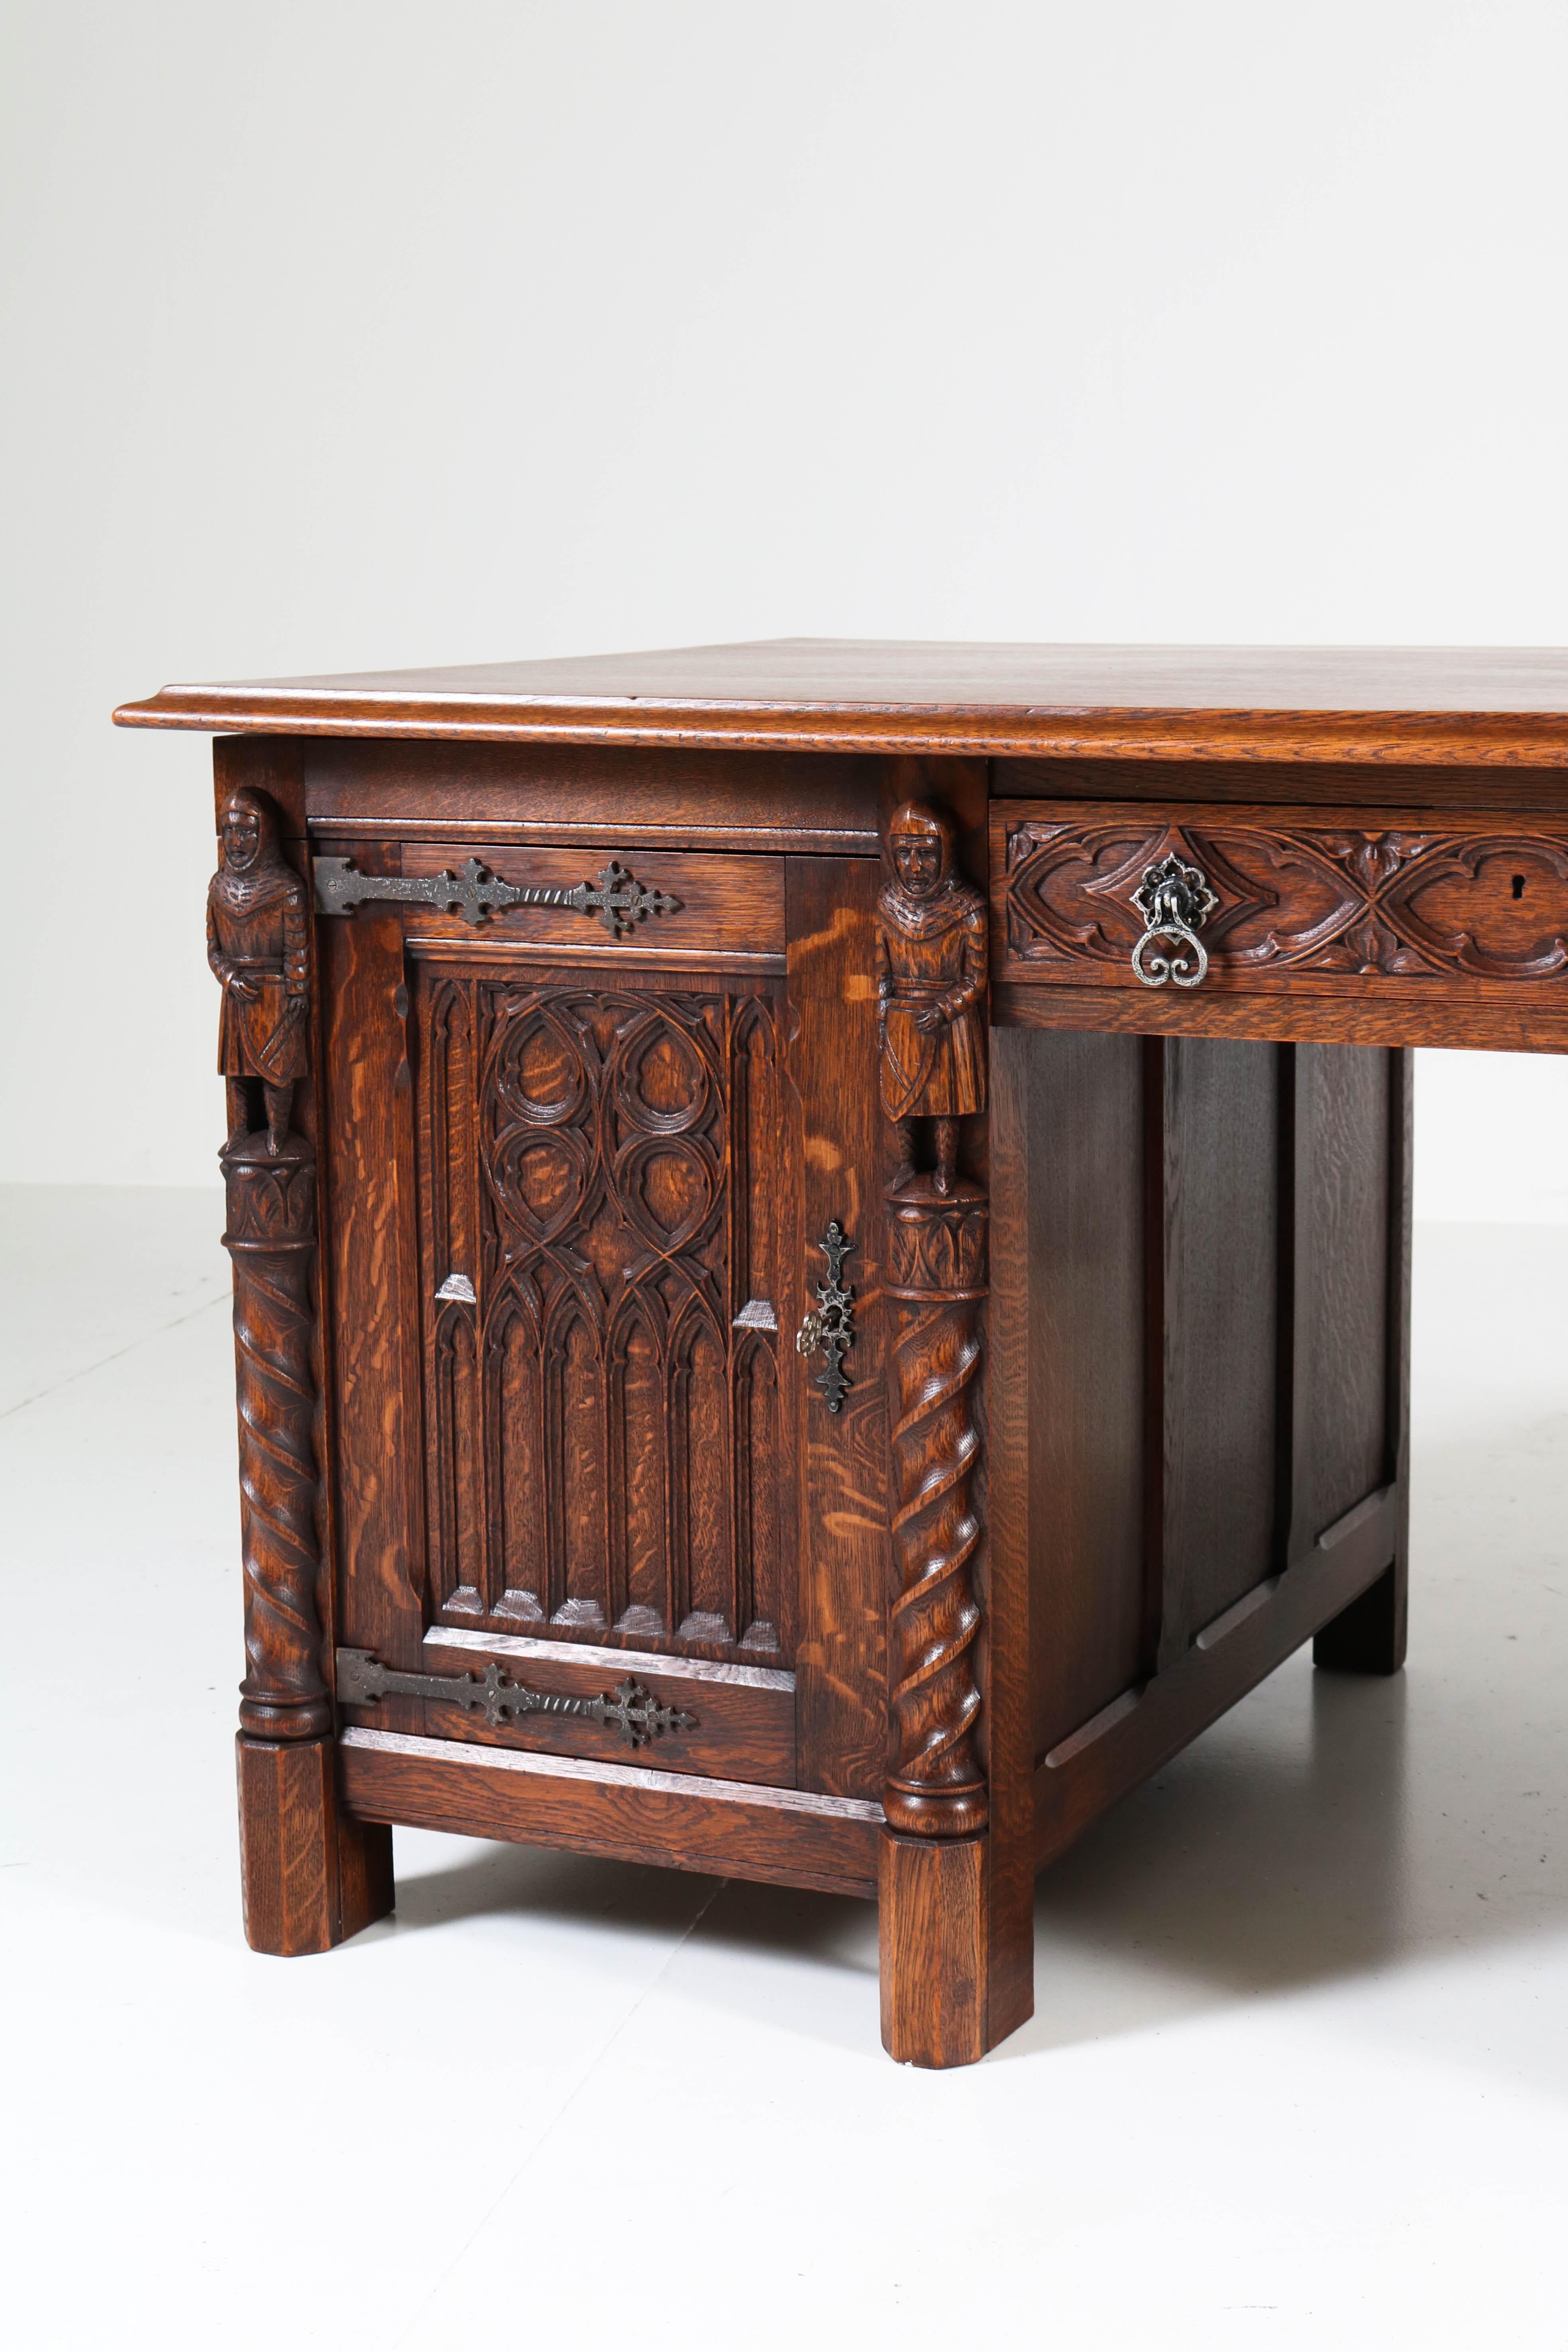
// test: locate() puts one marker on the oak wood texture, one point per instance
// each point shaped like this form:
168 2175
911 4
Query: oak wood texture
633 1813
310 1874
731 912
1151 1722
932 1930
371 1287
1447 706
839 1157
803 804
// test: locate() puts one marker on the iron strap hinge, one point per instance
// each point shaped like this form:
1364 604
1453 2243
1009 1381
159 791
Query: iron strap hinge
618 900
633 1711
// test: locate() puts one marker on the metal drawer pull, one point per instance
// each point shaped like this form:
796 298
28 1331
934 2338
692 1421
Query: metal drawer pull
829 1327
1174 901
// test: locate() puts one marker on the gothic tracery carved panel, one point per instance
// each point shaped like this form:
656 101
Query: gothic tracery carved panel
612 1467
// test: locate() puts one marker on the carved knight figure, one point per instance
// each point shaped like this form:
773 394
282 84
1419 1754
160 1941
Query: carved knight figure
257 946
931 974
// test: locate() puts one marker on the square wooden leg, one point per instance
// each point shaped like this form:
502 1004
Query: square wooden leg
1368 1638
310 1873
950 1990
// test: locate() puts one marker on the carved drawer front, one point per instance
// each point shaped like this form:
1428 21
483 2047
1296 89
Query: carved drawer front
610 905
1232 898
625 1706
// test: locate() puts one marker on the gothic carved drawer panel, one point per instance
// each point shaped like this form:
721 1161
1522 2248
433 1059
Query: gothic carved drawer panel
601 905
623 1706
1109 895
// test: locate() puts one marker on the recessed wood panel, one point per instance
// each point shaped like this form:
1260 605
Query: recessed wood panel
1068 1320
726 907
1218 1133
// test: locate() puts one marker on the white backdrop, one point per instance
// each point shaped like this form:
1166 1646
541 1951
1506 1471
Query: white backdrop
348 335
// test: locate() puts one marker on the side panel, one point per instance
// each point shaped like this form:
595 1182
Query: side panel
1198 1286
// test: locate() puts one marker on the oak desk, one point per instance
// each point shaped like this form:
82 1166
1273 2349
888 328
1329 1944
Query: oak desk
821 1238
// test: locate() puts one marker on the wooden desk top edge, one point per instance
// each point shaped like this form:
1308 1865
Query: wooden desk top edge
1488 706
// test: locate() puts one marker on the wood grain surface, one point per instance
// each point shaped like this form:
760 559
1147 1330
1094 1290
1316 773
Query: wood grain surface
733 1829
805 803
1452 706
730 910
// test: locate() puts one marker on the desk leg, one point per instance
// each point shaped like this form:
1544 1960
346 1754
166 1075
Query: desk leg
310 1874
1368 1638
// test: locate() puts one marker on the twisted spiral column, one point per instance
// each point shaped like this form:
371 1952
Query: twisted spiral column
271 1238
937 1266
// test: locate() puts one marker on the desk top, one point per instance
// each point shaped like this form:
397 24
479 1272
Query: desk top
1437 705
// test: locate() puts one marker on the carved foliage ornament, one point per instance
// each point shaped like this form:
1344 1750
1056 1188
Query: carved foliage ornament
1405 904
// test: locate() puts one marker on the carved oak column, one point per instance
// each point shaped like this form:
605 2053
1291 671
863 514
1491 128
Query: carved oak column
936 1277
271 1238
309 1874
933 1894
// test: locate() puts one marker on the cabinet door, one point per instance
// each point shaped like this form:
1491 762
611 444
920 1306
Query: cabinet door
575 1202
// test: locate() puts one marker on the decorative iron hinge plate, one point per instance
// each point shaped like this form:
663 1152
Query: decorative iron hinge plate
633 1711
829 1327
618 900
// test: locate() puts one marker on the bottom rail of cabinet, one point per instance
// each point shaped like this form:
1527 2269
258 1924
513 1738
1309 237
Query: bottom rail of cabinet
733 1829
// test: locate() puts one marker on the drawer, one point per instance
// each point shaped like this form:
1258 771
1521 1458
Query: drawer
697 910
1277 898
734 1723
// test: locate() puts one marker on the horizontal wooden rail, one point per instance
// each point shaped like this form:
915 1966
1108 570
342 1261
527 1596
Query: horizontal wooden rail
733 1829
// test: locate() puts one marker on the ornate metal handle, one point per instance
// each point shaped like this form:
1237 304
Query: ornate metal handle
829 1327
636 1714
618 900
1174 900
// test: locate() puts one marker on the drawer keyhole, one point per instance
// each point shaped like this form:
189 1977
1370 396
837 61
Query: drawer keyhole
1518 886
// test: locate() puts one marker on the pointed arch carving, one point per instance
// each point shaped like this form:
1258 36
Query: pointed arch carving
623 1149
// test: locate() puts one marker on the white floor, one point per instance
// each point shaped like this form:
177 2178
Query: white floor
1298 2074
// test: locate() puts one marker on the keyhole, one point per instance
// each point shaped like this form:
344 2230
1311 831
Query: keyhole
1518 886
